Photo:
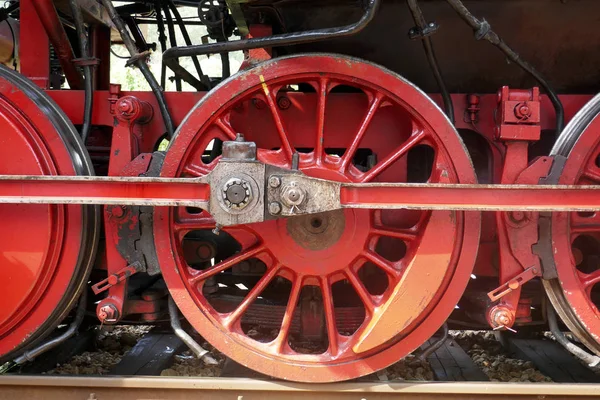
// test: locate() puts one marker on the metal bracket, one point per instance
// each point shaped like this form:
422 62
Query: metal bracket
543 248
514 283
117 277
291 193
417 33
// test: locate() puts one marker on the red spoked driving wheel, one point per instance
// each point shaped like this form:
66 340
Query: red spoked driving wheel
46 251
331 296
575 238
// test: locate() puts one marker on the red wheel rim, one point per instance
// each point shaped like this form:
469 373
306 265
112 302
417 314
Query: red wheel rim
575 237
290 248
44 247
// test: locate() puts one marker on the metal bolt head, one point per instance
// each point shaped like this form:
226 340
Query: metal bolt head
292 194
522 111
205 251
237 193
108 313
284 102
274 181
500 316
259 104
274 208
126 107
518 217
117 211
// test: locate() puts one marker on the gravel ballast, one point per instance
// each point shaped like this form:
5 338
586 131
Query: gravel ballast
493 360
111 344
487 353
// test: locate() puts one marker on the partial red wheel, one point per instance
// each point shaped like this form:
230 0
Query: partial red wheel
575 237
45 250
332 296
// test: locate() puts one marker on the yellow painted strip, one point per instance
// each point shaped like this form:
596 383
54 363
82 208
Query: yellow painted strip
264 85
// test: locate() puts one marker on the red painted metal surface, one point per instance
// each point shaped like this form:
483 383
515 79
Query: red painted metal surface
39 244
55 31
393 118
575 236
33 45
521 196
104 191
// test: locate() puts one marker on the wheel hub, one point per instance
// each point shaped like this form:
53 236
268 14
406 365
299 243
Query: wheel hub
317 231
319 243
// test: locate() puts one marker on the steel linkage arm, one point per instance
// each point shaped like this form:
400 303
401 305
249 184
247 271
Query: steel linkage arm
471 197
242 190
313 195
35 189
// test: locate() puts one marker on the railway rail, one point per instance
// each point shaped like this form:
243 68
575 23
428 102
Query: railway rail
455 374
150 388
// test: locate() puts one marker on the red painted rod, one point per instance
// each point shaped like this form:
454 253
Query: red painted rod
471 197
196 192
103 190
58 37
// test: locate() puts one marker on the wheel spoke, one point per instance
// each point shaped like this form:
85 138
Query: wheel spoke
288 317
193 222
381 263
321 104
328 307
196 169
389 160
364 125
402 234
584 228
591 174
589 280
226 264
285 142
226 128
362 291
235 315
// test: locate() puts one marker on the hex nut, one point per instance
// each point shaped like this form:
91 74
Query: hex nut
274 181
274 208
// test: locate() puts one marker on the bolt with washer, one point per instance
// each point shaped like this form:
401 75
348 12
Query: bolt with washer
292 194
108 313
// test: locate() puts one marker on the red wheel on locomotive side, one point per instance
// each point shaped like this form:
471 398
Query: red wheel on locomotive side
46 250
576 242
421 259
